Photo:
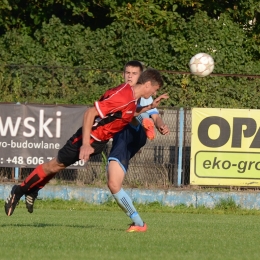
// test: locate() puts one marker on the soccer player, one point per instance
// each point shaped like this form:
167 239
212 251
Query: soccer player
110 114
126 144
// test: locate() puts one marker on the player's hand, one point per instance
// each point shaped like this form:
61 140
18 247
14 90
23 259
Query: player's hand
85 151
164 129
157 101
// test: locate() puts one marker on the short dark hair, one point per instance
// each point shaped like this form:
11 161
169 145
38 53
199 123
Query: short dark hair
134 63
152 75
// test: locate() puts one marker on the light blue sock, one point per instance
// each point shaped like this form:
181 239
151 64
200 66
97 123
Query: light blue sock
125 203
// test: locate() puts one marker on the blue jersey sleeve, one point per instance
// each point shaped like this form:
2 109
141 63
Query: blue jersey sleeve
146 102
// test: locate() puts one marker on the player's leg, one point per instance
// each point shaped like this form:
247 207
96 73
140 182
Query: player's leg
138 142
67 155
115 179
32 194
31 183
117 167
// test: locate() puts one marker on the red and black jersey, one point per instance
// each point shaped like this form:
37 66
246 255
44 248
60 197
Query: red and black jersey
116 109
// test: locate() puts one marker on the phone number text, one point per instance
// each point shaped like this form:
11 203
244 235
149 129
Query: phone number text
20 160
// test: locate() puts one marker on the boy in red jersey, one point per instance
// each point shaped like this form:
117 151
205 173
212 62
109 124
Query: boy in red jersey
110 114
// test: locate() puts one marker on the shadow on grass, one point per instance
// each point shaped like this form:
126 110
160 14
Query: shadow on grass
46 225
43 225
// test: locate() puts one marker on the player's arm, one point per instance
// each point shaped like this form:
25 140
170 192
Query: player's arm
155 104
86 149
160 125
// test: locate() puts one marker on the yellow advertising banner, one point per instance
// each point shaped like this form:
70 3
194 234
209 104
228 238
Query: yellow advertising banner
225 147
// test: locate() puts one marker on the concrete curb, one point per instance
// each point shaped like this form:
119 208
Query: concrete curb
246 200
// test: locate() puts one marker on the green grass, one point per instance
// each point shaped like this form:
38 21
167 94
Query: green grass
76 230
224 206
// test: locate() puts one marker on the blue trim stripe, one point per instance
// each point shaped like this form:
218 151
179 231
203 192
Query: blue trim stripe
115 159
181 126
134 215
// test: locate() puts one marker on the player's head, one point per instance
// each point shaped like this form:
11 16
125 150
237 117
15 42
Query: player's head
132 71
152 80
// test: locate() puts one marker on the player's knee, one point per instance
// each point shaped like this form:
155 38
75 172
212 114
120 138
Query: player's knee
53 166
114 186
111 183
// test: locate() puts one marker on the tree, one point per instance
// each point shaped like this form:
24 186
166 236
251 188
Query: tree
30 14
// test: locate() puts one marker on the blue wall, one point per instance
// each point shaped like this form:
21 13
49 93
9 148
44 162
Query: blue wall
247 200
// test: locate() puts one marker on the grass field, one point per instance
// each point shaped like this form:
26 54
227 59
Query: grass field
75 230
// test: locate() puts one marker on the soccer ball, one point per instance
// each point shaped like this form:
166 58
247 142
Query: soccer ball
201 64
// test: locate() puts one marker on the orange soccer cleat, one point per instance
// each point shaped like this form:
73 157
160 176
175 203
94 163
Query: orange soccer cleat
149 128
134 228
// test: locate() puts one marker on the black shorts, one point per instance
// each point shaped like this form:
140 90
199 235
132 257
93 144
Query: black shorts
69 153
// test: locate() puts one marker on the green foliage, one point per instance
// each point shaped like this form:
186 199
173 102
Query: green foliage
159 17
30 14
67 62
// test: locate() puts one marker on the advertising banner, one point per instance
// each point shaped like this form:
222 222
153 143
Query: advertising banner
225 147
33 134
